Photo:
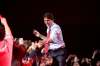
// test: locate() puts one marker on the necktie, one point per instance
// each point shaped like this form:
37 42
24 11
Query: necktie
47 44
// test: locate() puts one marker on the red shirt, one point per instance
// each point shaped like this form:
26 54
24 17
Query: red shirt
6 53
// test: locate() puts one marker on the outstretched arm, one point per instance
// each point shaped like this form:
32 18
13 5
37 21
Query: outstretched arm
44 38
37 34
7 32
94 53
7 28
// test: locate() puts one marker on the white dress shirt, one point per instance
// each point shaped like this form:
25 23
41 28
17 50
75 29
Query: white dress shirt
56 37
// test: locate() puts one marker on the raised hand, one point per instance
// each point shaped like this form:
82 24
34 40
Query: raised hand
3 20
36 33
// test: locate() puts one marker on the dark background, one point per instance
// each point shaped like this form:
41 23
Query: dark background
77 19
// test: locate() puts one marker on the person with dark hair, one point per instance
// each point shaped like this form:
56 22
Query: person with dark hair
53 42
6 43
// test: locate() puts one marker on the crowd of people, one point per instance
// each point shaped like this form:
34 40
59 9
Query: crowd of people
71 59
75 60
45 52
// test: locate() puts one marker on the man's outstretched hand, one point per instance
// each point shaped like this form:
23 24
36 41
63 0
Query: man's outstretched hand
36 33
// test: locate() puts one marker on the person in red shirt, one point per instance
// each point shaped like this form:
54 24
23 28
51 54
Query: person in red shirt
6 43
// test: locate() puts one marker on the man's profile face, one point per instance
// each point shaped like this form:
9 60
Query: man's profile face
47 21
